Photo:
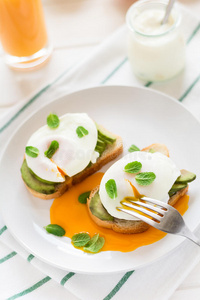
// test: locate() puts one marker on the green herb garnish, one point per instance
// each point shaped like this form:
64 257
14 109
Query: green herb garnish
81 131
32 151
80 239
95 244
52 149
83 197
133 167
53 121
90 245
55 229
111 188
133 148
145 178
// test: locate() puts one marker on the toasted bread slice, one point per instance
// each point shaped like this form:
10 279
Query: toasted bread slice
157 148
127 226
111 152
136 226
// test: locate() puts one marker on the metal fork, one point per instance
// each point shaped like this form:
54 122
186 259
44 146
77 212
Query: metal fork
162 216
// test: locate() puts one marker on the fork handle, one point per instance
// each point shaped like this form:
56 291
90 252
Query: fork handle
190 235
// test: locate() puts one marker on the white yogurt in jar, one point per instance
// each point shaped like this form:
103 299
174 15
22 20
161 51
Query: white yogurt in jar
149 22
156 52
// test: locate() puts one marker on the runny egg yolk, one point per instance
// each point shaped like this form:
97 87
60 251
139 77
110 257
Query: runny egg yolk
73 216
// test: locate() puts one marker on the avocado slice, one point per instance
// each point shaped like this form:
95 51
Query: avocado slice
186 176
151 150
101 143
104 138
100 146
35 184
177 187
100 149
104 135
40 179
98 210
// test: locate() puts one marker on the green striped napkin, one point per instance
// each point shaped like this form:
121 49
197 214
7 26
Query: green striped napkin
22 274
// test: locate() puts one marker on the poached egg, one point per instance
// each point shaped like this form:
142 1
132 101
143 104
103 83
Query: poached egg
74 152
162 166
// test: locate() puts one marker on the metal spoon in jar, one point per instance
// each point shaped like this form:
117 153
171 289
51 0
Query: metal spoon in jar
168 10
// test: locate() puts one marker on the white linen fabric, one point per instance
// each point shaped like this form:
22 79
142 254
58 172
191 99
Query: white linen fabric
22 274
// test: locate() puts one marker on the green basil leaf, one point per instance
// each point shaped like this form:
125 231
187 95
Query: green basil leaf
55 229
95 244
145 178
111 188
81 131
52 149
133 148
133 167
32 151
80 239
83 197
53 121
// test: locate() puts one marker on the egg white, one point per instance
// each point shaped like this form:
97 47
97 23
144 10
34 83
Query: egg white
74 153
164 168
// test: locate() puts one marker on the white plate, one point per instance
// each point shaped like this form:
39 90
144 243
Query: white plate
141 117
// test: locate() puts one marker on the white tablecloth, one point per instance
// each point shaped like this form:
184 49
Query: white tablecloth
107 65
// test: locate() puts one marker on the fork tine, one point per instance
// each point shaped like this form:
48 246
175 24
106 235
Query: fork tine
150 206
143 210
140 217
157 202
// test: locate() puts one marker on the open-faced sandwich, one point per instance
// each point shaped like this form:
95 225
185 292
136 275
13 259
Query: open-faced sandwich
64 152
150 173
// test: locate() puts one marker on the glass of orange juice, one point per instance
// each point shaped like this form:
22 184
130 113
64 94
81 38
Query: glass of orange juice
23 33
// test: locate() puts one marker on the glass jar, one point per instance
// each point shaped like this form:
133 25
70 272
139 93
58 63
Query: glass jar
156 52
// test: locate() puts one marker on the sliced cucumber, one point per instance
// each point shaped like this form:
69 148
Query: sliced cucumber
186 176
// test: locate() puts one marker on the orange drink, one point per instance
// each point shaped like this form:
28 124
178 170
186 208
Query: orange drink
22 31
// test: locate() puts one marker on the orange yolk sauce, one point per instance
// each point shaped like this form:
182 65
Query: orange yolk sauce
73 216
